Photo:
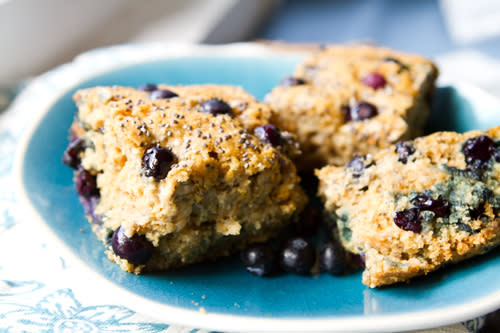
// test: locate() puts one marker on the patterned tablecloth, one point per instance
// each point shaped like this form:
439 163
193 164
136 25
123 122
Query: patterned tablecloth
41 290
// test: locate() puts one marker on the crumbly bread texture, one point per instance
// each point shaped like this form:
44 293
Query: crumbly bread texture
225 188
322 110
413 208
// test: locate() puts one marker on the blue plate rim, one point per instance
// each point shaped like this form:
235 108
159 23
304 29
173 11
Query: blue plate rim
214 321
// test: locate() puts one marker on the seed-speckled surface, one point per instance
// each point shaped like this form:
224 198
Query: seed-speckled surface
339 78
365 205
225 189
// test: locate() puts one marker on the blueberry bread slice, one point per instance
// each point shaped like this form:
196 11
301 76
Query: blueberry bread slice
175 175
417 205
346 100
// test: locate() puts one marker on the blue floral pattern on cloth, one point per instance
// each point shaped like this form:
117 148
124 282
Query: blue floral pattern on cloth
6 220
12 288
7 148
60 311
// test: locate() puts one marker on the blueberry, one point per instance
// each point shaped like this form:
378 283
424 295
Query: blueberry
136 250
216 107
297 256
404 149
290 81
361 111
157 162
259 259
162 94
374 80
89 204
85 184
478 150
409 220
71 155
147 87
356 165
269 134
332 259
440 206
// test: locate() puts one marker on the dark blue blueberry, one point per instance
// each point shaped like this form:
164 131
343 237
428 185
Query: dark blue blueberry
362 111
85 184
157 162
291 81
356 165
297 256
404 149
259 259
216 107
269 134
478 150
332 258
147 87
71 155
409 220
162 94
89 204
136 250
440 206
374 80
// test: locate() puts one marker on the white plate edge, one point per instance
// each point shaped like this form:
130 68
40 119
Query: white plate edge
375 323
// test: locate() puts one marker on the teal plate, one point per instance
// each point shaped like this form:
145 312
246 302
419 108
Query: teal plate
222 295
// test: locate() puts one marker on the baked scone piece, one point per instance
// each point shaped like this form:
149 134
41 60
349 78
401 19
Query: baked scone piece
418 205
179 174
346 100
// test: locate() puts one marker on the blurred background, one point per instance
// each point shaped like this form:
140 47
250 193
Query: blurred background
462 36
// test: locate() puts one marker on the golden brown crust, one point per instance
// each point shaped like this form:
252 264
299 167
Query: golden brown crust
226 186
315 111
365 206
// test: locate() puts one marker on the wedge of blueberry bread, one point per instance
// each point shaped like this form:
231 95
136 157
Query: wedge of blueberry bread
417 205
172 175
346 100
